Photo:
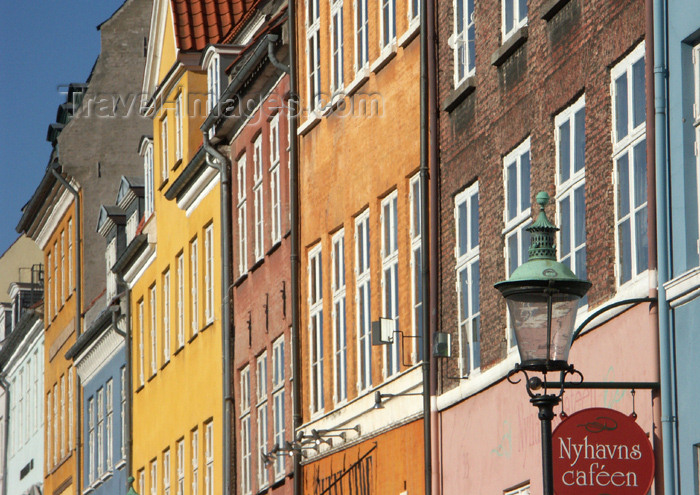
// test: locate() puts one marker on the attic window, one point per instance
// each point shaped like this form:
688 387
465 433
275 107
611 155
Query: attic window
131 225
213 83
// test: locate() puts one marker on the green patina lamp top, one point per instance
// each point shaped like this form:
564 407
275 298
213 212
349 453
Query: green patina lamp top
130 484
542 264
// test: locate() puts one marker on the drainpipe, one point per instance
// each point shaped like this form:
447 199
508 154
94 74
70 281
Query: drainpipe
78 311
294 219
668 418
219 162
6 387
652 237
126 333
426 241
271 40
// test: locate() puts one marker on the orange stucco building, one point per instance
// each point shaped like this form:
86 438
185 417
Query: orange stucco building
360 243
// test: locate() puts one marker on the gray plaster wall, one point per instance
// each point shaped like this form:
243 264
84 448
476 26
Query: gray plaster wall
100 144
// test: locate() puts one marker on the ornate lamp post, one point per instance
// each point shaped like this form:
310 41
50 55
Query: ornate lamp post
542 296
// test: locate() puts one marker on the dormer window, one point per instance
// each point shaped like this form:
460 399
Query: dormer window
110 259
213 83
131 224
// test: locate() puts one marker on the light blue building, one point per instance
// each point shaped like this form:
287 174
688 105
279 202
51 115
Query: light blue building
100 356
677 133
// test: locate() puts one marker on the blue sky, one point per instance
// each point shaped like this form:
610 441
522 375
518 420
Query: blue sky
43 44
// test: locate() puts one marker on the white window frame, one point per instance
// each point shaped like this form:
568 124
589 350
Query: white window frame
363 302
178 127
361 23
49 256
181 300
91 441
122 412
49 432
55 424
194 460
166 315
55 277
153 329
463 52
275 198
417 307
194 286
109 426
213 84
149 181
181 467
63 427
111 277
413 13
164 166
467 262
262 418
387 39
390 291
246 454
63 266
258 200
209 458
70 255
70 408
315 301
337 46
313 58
142 349
339 313
166 472
570 183
242 217
627 147
132 224
154 477
278 407
209 273
142 480
516 225
100 433
519 20
522 490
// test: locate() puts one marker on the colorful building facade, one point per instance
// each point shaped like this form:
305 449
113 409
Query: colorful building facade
359 241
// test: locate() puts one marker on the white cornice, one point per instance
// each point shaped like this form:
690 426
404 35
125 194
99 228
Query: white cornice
99 352
139 266
54 217
34 338
159 15
194 195
683 288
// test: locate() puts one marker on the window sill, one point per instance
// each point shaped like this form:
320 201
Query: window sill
106 476
311 122
550 8
410 35
152 377
120 464
240 279
264 489
459 94
257 264
388 53
274 248
515 41
163 184
162 366
140 387
194 336
361 77
208 325
178 162
337 98
179 350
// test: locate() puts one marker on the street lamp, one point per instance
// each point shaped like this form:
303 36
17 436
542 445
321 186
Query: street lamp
542 296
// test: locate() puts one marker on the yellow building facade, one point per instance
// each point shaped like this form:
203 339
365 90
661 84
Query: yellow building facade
175 286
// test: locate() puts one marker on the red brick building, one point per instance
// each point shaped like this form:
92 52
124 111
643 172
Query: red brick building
537 96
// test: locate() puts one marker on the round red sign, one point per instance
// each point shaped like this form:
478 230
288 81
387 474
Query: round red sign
601 451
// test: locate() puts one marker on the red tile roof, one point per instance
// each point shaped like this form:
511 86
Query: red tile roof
200 22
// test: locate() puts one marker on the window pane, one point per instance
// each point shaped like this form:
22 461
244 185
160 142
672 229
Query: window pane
522 10
579 216
509 14
565 232
471 35
641 240
623 185
525 181
525 246
621 106
512 253
580 265
512 190
462 223
476 279
564 151
625 251
579 139
638 93
640 174
464 294
474 207
476 341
